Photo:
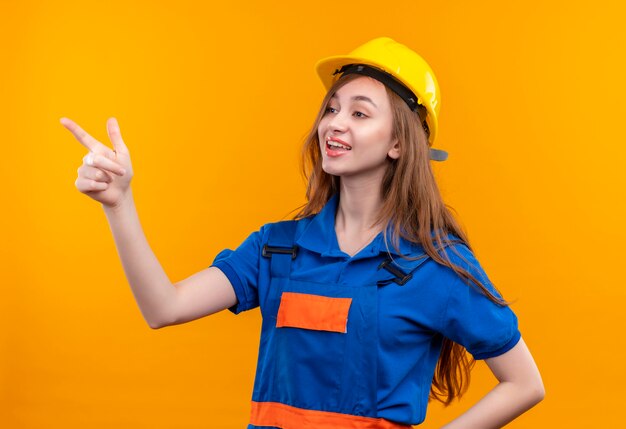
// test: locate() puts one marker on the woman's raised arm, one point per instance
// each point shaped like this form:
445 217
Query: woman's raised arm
105 177
161 303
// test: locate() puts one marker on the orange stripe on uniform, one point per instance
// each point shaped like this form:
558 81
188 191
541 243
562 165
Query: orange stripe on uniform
321 313
288 417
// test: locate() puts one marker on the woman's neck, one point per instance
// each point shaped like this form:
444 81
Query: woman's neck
359 205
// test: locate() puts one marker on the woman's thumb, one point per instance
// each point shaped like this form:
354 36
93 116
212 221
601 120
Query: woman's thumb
113 129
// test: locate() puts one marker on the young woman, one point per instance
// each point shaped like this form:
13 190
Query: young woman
372 295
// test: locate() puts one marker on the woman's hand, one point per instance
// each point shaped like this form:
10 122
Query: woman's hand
105 174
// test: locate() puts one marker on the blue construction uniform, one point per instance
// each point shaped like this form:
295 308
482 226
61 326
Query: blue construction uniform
350 338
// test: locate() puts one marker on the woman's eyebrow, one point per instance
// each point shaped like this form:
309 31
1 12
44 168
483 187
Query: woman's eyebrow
359 98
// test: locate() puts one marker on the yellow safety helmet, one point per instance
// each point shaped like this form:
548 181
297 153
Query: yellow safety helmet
398 67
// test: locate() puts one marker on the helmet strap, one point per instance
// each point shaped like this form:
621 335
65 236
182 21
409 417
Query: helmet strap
403 92
392 83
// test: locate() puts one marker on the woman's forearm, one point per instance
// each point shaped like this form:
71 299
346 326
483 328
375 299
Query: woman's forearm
151 286
500 406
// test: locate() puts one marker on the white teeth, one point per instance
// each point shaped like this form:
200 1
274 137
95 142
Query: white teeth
335 144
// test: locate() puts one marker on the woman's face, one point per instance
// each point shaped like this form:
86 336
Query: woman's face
355 131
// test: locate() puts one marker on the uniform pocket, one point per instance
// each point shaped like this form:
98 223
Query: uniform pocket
315 312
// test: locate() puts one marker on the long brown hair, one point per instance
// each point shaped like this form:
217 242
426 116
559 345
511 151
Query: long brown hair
413 209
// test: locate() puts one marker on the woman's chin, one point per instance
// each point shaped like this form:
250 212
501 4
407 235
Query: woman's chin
332 171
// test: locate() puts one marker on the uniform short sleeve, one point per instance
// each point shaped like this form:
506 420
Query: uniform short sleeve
241 266
484 328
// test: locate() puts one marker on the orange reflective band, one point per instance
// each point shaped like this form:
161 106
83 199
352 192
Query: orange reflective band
321 313
288 417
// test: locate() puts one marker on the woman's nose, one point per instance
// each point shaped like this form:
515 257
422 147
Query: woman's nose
337 122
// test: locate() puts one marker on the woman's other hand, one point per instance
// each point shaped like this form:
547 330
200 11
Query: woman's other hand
105 174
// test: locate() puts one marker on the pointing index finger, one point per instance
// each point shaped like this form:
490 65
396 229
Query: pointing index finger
81 135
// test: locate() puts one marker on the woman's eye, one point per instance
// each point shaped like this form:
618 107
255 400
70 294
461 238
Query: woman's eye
357 113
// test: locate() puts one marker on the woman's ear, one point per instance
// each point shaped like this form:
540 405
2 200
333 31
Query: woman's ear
394 152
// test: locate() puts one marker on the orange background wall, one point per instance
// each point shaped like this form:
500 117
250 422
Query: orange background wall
213 101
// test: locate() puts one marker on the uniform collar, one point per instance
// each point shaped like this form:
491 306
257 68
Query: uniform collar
319 236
